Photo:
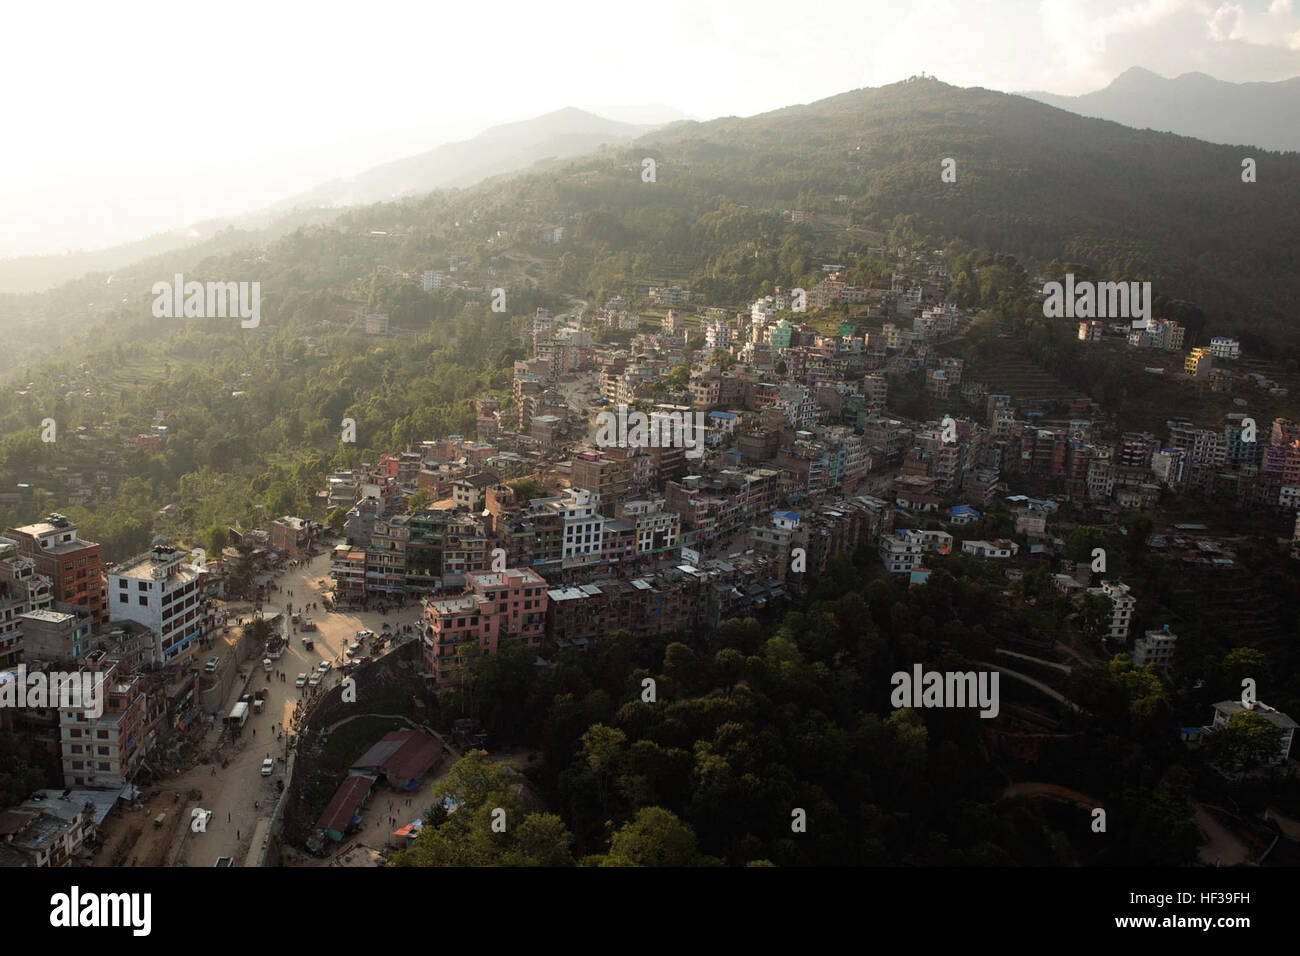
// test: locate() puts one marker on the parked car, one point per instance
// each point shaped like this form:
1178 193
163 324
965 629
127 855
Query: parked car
324 666
354 649
315 679
301 681
268 767
211 664
363 634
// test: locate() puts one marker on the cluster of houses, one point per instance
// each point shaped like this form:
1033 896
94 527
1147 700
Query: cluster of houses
800 460
134 631
1211 363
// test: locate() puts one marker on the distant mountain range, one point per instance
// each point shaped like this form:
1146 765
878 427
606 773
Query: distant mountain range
564 134
1263 115
508 148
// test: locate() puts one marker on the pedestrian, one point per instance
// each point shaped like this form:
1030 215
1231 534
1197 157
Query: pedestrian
236 834
227 816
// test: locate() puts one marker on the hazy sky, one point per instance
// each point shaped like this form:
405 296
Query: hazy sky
134 117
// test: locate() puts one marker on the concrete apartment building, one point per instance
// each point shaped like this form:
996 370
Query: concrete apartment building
293 537
900 552
51 828
72 564
1122 605
495 605
159 590
59 636
718 505
22 590
655 528
1224 347
105 752
1155 647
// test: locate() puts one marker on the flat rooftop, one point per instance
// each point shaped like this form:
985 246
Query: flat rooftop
48 616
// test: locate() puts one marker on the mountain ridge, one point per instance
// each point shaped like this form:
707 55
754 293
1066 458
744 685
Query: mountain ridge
1260 114
561 134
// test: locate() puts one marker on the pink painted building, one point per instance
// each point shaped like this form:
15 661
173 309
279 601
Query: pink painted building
495 605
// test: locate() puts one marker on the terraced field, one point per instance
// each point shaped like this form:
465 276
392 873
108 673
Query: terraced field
1013 373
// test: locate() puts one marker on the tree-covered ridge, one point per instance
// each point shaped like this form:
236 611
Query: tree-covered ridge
761 719
1031 180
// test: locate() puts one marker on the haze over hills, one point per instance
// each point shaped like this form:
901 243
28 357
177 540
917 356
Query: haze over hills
564 134
506 148
1033 181
1265 115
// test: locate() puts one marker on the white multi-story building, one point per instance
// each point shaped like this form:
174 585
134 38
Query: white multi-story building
900 552
159 590
1169 465
584 525
1122 605
717 335
1223 347
1166 334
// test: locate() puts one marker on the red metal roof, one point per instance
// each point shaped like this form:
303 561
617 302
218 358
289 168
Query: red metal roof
345 803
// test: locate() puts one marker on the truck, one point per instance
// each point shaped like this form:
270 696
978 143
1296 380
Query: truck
238 715
259 701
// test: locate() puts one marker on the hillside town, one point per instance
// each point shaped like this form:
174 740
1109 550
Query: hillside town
536 529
